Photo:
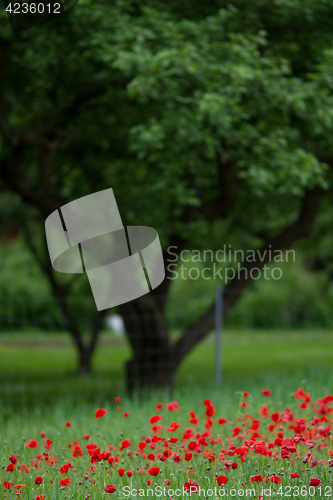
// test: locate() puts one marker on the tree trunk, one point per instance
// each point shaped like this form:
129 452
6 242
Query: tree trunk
151 364
85 357
150 369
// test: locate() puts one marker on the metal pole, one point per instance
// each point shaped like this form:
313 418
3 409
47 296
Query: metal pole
218 334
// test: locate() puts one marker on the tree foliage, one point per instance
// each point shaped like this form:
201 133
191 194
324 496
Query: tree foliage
212 123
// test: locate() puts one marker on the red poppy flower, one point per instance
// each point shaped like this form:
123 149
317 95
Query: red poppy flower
314 481
40 497
188 456
7 484
210 410
117 399
172 406
192 445
173 426
209 423
121 472
300 393
68 424
110 488
42 434
153 471
86 436
222 480
95 455
48 444
91 446
157 428
167 454
264 411
13 459
100 413
64 468
155 418
191 486
257 478
245 394
18 486
10 468
129 473
126 414
65 482
159 406
125 444
265 392
77 451
32 443
38 480
222 421
294 475
151 456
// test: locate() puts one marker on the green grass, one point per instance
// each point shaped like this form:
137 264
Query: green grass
35 367
113 428
41 391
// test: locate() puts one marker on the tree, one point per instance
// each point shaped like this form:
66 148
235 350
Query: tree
211 123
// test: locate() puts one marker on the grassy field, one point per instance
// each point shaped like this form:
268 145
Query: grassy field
200 457
35 367
40 392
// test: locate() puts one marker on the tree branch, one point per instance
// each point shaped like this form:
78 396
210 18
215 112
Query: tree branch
10 176
235 288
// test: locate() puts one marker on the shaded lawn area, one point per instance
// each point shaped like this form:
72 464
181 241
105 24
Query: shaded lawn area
38 369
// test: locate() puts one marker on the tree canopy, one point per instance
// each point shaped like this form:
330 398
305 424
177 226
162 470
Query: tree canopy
212 123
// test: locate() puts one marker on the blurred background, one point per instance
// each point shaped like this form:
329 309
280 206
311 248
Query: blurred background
211 123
